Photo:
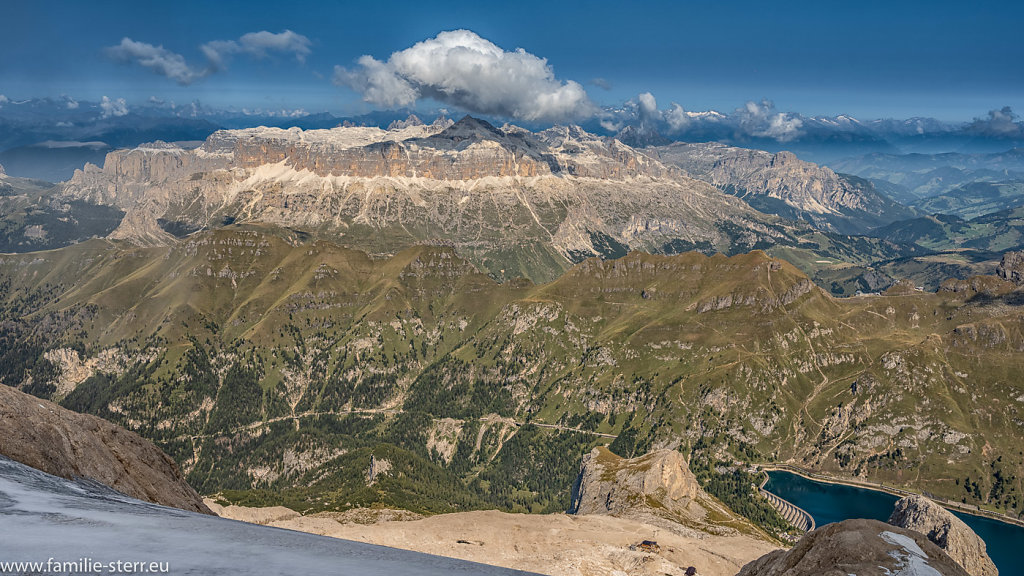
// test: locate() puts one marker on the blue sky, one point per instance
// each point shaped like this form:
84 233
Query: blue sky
951 60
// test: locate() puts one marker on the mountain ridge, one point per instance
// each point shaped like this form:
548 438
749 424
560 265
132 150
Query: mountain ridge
289 360
516 203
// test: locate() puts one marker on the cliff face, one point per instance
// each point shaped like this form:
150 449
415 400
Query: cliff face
799 189
518 203
948 532
57 441
470 149
862 547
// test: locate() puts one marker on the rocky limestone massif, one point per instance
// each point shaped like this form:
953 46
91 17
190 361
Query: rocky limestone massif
57 441
861 547
516 203
657 488
783 184
948 532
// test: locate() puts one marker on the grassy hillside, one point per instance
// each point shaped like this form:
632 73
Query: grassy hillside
299 372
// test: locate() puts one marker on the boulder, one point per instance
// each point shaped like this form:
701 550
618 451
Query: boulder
948 532
861 547
1011 267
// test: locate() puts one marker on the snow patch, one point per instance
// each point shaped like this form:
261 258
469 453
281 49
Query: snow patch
912 561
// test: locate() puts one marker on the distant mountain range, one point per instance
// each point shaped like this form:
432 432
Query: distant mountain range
515 202
26 125
519 203
784 185
530 204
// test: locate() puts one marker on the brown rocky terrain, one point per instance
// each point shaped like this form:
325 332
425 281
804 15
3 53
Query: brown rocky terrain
617 504
57 441
948 532
862 547
555 544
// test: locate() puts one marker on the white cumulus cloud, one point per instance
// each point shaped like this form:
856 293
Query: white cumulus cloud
113 108
761 119
647 107
1000 123
676 118
462 69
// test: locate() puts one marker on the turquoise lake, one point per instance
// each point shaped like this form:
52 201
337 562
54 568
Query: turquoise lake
829 503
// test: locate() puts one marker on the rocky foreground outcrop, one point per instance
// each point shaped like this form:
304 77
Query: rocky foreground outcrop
657 488
1012 267
552 544
946 531
861 547
57 441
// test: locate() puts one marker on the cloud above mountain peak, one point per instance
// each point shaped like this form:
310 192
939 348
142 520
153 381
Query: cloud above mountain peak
462 69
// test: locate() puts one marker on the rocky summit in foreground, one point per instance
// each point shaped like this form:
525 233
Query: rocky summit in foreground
47 437
554 544
948 532
861 547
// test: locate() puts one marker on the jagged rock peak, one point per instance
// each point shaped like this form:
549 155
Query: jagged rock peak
442 122
470 127
159 145
1011 267
862 547
409 122
2 173
948 532
45 436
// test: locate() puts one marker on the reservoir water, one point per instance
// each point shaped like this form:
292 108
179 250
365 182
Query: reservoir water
834 502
